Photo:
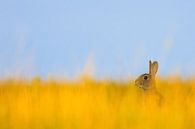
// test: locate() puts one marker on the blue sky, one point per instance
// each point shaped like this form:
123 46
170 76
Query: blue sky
117 38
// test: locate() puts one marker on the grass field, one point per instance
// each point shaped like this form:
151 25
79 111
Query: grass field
94 104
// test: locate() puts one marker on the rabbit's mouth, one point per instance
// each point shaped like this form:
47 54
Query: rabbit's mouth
141 85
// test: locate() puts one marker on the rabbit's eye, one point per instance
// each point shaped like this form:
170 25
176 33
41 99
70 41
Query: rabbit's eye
145 77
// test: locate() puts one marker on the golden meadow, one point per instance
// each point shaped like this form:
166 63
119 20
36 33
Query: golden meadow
88 103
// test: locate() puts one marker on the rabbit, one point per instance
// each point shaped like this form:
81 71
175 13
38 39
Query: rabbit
147 82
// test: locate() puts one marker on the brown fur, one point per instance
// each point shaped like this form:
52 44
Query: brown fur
147 82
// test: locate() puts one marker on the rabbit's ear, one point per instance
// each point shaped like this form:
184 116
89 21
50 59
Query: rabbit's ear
154 68
150 67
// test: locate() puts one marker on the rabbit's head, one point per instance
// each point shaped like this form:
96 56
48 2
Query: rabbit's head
147 81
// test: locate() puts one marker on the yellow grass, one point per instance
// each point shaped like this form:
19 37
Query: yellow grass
92 104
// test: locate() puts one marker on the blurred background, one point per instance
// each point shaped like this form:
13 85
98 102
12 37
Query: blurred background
101 37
